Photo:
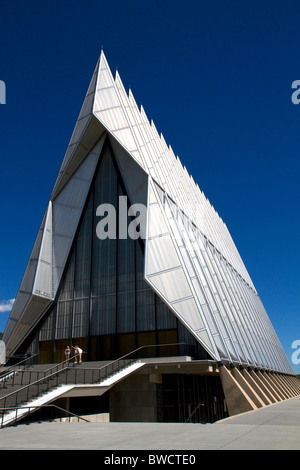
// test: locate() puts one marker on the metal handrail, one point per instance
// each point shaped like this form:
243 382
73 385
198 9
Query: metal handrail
189 418
135 351
37 407
35 382
44 373
122 358
144 347
8 369
63 362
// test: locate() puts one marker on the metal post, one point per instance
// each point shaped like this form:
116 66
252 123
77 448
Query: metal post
28 417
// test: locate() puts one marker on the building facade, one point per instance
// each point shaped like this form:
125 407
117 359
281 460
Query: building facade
131 254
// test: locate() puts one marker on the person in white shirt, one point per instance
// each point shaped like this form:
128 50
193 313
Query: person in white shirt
78 352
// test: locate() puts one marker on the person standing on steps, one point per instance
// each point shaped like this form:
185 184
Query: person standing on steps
78 353
67 354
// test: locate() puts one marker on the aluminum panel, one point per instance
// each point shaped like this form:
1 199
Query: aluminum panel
114 119
126 138
137 133
106 98
205 340
43 286
188 310
105 79
66 211
156 222
30 310
65 220
172 285
29 276
43 279
18 308
126 160
80 126
79 130
161 255
85 112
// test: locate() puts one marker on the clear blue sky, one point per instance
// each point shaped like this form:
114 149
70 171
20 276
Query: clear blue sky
216 78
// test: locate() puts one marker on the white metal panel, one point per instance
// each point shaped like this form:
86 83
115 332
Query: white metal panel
78 131
27 311
106 98
172 285
156 221
16 312
43 279
85 113
67 209
161 255
125 136
188 310
104 79
43 286
65 220
205 339
113 118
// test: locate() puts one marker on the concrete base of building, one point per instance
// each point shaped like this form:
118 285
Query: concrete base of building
250 389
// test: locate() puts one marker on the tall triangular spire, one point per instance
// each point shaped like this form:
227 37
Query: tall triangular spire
79 142
191 261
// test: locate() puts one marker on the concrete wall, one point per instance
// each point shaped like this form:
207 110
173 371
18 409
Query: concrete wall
97 418
133 400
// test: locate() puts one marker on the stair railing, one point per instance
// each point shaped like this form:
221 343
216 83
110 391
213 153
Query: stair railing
38 382
33 409
11 371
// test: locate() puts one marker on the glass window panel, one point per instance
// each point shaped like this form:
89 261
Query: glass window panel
145 310
83 255
81 317
47 331
103 319
140 282
104 251
126 257
126 312
165 318
67 291
64 319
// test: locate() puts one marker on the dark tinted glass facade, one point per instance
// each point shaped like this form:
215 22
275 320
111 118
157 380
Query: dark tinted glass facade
104 304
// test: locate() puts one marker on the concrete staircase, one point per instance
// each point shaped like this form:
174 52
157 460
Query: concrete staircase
28 388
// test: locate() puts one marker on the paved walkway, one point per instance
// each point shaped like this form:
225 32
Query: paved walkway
274 427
